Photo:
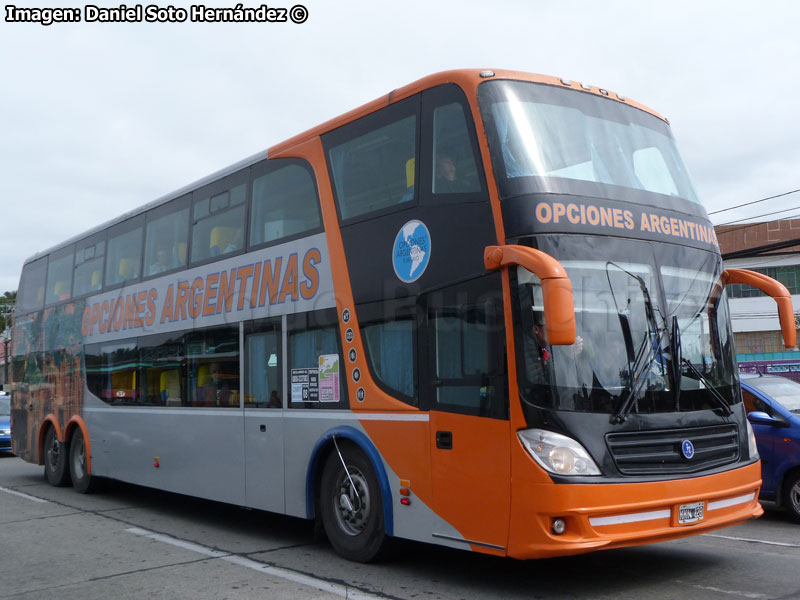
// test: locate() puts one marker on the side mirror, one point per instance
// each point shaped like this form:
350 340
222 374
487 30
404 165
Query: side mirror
559 308
761 418
773 288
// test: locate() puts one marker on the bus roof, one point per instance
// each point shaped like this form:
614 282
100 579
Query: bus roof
468 79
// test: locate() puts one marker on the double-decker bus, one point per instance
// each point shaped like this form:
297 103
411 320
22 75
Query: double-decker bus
485 311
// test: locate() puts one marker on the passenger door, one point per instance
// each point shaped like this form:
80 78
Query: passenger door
263 417
466 391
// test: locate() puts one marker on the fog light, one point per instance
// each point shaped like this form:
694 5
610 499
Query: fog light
559 526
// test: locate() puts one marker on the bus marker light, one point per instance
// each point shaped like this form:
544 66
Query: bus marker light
566 82
604 92
405 492
586 86
405 501
155 462
486 74
559 526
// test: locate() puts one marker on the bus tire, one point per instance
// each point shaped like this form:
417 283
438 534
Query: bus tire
56 470
791 495
353 522
82 481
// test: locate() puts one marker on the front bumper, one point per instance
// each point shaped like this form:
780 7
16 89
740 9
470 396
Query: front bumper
605 516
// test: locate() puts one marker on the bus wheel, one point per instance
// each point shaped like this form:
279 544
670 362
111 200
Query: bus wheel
791 499
82 481
56 470
351 506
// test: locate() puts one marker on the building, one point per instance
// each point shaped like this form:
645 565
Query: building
772 248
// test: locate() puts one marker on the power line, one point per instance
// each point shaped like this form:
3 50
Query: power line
756 223
753 202
759 216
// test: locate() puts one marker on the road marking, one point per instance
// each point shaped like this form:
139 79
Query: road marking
26 496
293 576
751 540
753 595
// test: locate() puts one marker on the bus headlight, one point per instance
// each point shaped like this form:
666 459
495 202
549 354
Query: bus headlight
752 447
557 453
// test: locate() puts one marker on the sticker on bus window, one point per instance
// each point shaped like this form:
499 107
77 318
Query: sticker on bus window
329 378
305 385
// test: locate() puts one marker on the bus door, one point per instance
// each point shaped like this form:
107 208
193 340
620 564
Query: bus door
466 391
263 418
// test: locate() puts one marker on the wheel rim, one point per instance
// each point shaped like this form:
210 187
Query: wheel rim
53 454
794 497
79 459
352 509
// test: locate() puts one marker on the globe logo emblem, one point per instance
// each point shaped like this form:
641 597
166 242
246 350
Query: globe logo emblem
412 251
687 449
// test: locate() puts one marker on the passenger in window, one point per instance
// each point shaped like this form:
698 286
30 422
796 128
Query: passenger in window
235 243
538 358
274 400
162 262
446 175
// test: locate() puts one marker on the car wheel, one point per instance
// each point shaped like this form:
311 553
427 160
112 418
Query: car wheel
56 470
352 507
791 495
82 481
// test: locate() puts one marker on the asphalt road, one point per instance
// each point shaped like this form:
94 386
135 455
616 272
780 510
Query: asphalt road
132 542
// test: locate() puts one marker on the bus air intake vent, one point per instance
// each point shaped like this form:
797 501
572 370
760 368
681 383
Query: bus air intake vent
663 452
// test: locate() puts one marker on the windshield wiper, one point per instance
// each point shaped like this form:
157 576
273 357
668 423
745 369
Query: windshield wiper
640 365
677 357
726 409
642 360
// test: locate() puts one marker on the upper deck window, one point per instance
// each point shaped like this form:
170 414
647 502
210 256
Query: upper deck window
166 242
373 161
284 204
548 139
31 289
124 258
454 167
59 276
88 276
218 219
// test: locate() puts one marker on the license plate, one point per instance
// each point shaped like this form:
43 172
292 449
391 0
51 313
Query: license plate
690 513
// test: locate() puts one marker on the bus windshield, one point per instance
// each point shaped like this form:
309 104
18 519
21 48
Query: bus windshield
646 328
544 138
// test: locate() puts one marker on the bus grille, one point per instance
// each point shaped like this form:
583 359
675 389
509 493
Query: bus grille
659 452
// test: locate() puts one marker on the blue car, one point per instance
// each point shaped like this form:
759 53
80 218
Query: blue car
5 423
773 409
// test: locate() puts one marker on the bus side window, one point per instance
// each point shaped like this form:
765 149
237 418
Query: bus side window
454 169
451 170
218 219
467 367
166 241
284 203
388 330
32 286
124 252
59 276
89 258
264 365
212 365
372 161
316 367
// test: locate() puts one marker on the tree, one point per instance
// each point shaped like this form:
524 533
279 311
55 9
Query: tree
7 302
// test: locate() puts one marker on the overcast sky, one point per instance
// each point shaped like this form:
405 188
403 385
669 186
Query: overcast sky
97 119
